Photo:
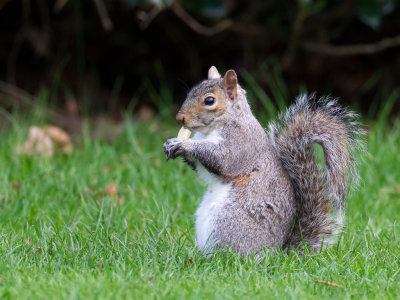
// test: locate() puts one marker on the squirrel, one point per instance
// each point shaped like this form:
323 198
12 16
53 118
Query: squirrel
266 187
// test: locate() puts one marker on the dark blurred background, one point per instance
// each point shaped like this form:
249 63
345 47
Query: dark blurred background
103 56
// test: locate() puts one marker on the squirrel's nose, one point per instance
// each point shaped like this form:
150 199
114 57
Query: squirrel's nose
180 118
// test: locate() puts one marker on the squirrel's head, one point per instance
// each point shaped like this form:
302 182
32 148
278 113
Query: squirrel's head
210 101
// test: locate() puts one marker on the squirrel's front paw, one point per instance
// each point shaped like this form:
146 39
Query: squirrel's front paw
173 148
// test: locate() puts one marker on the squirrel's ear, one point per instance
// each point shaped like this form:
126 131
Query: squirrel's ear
213 73
230 84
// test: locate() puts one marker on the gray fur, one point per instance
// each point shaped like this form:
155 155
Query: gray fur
279 195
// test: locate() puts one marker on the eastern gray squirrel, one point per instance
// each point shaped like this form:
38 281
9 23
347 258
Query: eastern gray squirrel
265 188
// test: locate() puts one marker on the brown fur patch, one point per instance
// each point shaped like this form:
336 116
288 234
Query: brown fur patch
241 180
221 102
199 112
218 109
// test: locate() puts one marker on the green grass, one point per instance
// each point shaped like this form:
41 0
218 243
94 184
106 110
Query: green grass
61 237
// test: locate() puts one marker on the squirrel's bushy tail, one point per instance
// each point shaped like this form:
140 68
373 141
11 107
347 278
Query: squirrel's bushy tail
320 190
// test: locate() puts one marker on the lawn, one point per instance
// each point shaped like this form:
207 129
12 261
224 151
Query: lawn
115 220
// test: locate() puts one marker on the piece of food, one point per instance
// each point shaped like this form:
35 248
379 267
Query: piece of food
184 133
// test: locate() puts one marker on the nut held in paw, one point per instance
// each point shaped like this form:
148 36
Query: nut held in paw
184 133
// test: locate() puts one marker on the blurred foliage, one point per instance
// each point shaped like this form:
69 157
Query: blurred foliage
110 54
371 12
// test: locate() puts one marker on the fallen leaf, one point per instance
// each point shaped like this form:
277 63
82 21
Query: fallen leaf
188 262
38 249
111 189
2 278
330 283
16 185
100 265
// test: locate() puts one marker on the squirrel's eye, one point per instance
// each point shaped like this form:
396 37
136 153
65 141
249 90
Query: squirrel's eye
209 100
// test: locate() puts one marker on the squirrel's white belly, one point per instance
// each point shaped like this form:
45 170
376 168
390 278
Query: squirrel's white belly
215 198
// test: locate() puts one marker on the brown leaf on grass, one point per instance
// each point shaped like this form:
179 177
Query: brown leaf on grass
16 185
112 189
2 278
38 249
46 140
331 284
100 265
188 262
